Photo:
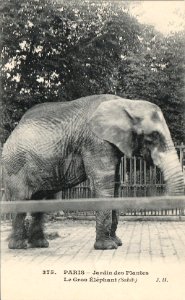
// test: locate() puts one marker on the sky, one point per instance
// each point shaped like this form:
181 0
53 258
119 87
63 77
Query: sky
166 16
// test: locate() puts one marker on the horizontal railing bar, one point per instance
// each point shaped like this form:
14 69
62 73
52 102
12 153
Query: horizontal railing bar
163 202
143 185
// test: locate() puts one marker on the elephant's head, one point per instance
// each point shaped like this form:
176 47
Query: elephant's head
138 127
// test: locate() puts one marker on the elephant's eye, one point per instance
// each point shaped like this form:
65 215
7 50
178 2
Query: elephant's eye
155 134
155 139
148 140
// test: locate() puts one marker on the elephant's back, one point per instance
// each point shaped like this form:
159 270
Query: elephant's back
49 110
40 126
63 110
44 126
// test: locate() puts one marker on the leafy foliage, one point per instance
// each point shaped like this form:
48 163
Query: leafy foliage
65 50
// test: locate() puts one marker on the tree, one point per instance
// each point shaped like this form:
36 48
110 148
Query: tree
51 52
156 73
58 51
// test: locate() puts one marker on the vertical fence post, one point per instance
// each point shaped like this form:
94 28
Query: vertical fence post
1 173
181 156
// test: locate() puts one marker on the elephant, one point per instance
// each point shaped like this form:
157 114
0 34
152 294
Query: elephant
58 145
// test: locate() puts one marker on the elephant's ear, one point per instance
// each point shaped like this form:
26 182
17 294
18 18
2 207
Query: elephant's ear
115 122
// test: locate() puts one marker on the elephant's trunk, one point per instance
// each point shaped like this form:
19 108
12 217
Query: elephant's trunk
169 163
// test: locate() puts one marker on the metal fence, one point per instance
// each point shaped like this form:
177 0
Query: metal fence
137 179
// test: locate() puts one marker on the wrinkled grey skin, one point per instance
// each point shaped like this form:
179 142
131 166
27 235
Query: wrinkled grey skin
59 145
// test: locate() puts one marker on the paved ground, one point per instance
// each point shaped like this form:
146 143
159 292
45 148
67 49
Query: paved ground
149 265
142 241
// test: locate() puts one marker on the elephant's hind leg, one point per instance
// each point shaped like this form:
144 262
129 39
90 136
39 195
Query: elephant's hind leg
36 236
36 232
18 237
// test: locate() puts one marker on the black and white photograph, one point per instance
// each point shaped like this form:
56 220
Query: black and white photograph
92 150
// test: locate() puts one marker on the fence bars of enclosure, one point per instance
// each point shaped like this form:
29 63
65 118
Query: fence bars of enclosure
137 179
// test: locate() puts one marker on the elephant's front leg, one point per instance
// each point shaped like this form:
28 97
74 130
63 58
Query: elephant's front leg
103 231
107 222
115 219
102 177
115 213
